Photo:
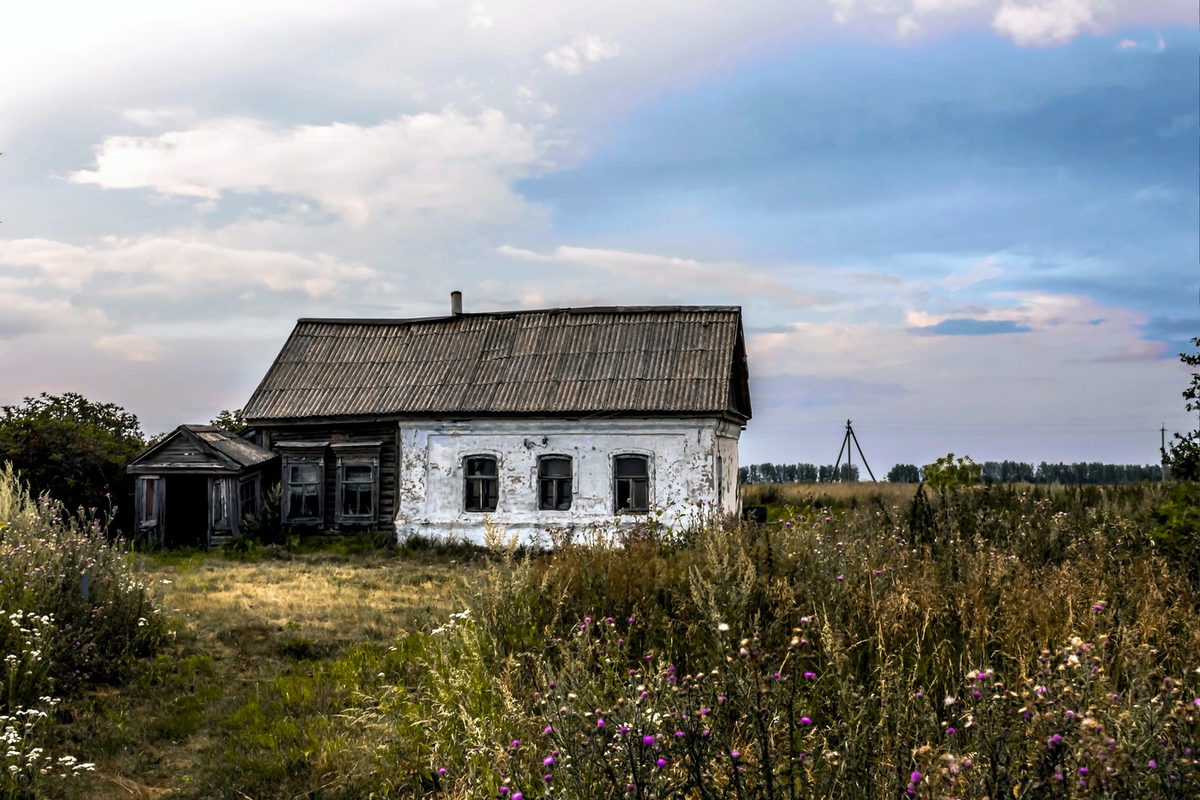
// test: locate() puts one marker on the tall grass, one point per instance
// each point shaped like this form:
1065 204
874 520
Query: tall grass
981 643
988 642
74 610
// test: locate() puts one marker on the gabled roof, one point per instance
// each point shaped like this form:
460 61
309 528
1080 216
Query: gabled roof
200 449
555 362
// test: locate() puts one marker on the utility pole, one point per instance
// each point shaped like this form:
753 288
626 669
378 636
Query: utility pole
1163 451
846 440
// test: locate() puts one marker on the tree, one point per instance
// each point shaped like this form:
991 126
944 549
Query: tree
949 472
73 449
904 473
231 421
1183 454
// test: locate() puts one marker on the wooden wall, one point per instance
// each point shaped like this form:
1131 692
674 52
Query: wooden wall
386 432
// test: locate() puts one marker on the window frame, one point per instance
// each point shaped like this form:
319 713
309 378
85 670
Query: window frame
302 456
149 498
218 505
255 497
557 482
479 481
647 460
357 454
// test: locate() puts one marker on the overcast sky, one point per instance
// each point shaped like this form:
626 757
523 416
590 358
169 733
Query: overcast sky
967 225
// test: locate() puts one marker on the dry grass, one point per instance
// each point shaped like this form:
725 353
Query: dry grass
239 627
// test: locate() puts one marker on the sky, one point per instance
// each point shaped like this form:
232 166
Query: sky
969 226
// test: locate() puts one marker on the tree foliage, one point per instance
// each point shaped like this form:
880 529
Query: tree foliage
73 449
231 421
1183 454
949 472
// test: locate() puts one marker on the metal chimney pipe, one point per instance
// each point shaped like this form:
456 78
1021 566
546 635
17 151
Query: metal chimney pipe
456 304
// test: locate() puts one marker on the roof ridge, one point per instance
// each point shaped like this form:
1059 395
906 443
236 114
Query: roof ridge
523 312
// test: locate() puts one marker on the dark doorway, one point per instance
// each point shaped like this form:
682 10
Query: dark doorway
186 523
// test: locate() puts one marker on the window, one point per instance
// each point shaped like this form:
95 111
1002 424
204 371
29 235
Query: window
358 492
481 489
247 497
554 483
631 483
149 506
303 491
220 504
358 481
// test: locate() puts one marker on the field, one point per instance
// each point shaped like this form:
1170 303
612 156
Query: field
971 643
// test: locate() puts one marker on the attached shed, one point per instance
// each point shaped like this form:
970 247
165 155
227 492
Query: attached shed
196 486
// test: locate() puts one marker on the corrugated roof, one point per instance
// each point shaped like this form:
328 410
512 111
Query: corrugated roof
232 446
676 359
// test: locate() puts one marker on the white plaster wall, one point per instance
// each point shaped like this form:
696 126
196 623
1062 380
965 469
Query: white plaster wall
682 459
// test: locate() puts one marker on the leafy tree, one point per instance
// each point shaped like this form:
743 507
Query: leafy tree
1183 454
951 473
904 473
231 421
73 449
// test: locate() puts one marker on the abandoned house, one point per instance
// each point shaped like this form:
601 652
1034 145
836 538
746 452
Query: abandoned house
559 418
213 478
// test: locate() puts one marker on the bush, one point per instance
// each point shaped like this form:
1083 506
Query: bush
76 608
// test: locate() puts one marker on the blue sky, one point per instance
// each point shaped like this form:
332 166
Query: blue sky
968 225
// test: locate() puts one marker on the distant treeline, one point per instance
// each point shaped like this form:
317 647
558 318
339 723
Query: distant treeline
796 473
991 471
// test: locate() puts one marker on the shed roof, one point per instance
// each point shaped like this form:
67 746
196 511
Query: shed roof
201 449
556 362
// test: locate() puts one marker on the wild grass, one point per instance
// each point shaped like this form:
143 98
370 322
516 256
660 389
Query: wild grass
990 642
75 611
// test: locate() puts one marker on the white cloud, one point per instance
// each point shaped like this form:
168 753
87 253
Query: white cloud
161 116
153 266
1046 22
584 49
21 315
678 277
413 164
478 16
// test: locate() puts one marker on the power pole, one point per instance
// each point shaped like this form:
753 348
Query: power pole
846 440
1163 451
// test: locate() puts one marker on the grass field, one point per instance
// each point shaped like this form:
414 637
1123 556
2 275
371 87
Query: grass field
1016 642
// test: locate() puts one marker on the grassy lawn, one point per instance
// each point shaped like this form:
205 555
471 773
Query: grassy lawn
241 626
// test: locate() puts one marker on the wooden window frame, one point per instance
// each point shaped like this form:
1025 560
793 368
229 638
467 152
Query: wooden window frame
315 459
555 483
144 482
218 505
479 482
343 464
255 499
631 481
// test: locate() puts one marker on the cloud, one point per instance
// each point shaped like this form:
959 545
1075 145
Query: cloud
161 116
413 164
22 315
131 346
153 266
1046 22
571 58
982 270
972 327
477 16
679 276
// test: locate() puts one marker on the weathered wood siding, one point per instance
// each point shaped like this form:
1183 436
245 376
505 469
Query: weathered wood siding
385 432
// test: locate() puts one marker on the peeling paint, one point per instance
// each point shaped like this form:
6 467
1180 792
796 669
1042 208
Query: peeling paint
682 454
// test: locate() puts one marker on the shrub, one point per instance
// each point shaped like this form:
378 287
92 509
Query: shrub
76 608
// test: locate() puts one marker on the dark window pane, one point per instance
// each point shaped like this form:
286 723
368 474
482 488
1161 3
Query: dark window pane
631 466
480 486
304 473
